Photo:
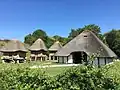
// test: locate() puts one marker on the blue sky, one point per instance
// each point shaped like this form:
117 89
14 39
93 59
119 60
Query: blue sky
21 17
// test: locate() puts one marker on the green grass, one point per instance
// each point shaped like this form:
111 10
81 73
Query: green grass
27 64
113 70
23 77
52 71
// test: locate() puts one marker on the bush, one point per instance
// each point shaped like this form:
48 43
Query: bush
76 78
85 78
24 79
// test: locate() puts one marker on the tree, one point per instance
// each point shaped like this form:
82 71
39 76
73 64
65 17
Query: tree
113 40
39 34
92 27
63 40
29 39
73 33
102 37
49 41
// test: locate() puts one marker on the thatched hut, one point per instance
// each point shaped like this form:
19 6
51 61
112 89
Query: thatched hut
38 50
14 51
84 46
53 49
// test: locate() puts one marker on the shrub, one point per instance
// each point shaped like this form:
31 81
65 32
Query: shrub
85 78
24 79
76 78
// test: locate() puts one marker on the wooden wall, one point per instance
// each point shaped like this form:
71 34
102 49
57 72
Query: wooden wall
99 61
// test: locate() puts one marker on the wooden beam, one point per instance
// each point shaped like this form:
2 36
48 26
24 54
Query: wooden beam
98 62
67 59
105 61
62 59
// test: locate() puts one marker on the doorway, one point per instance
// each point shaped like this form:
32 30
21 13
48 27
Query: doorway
79 57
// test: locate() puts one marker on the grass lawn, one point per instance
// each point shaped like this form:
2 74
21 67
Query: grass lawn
112 69
52 71
88 77
27 64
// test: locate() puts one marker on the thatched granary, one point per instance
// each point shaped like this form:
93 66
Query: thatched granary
14 50
38 50
82 47
53 49
3 43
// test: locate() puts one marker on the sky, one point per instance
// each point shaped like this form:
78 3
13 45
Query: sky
19 18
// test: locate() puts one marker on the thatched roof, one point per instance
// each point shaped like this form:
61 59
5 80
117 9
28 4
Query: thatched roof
13 46
38 45
88 42
55 47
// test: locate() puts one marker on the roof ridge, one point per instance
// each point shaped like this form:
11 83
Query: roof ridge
79 44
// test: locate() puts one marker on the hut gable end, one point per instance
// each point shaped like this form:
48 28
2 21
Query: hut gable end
56 46
88 42
38 45
13 46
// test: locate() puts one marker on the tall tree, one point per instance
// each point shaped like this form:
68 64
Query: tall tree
29 39
73 33
49 41
40 34
113 40
63 40
92 27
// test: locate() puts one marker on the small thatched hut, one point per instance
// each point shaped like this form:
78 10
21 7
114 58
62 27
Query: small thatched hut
14 50
53 49
82 47
38 50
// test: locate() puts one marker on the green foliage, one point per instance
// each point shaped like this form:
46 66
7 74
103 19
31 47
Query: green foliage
28 56
102 37
92 27
39 34
113 40
113 70
63 40
49 41
74 33
26 79
85 78
29 39
75 78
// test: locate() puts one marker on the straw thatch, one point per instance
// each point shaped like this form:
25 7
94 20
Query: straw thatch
13 46
88 42
55 47
38 45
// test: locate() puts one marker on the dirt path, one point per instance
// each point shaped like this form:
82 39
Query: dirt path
62 65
